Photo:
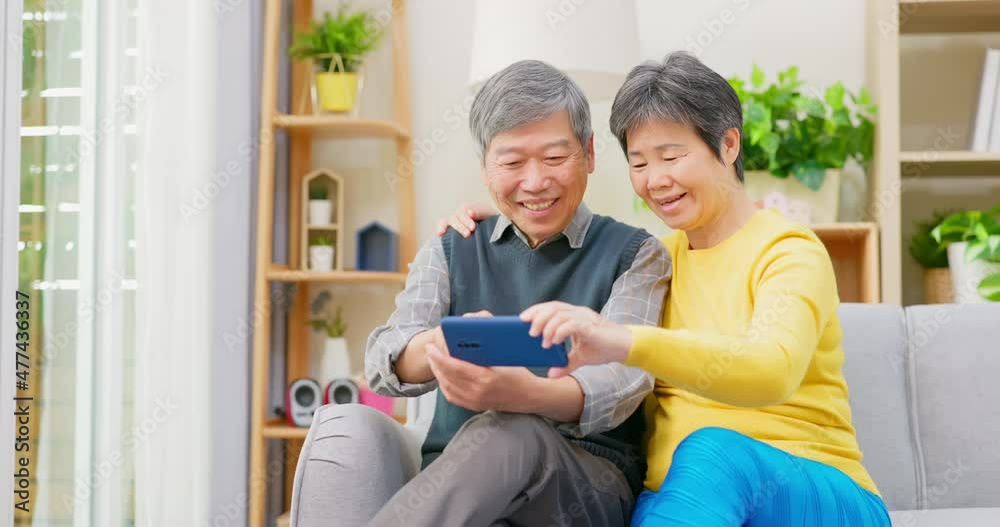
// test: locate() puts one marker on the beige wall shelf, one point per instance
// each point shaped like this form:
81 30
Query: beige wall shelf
948 16
936 163
924 73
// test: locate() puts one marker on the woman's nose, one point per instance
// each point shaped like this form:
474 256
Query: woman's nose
660 177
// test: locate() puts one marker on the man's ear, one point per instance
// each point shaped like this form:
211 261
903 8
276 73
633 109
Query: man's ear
590 154
731 146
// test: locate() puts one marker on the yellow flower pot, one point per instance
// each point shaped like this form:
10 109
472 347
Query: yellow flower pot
337 92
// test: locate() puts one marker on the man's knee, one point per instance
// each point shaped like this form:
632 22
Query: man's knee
349 433
501 435
514 428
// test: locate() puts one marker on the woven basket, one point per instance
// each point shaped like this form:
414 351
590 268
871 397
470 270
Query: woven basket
938 288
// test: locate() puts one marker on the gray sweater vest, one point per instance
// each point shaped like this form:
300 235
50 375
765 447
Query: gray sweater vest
507 277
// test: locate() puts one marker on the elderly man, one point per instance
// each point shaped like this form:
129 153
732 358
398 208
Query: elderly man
507 446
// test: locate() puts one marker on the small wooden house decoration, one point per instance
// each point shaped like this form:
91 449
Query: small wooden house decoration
332 220
378 248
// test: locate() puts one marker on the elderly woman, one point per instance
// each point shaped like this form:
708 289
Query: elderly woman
752 423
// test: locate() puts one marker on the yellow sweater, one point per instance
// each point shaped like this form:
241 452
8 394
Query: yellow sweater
751 342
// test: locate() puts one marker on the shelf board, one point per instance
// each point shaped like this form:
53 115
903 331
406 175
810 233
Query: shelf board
327 227
843 230
948 16
337 126
938 163
280 429
284 274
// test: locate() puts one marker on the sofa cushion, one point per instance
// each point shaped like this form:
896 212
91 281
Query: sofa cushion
955 387
874 366
947 518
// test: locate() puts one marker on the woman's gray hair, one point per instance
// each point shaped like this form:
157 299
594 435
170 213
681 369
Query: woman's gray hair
523 93
683 90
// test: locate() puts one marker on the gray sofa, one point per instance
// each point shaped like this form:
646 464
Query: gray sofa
925 391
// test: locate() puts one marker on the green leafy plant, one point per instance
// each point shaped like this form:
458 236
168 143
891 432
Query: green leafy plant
320 241
786 131
349 35
332 324
927 251
318 192
981 231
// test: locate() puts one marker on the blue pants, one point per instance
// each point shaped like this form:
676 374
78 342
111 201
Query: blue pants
722 478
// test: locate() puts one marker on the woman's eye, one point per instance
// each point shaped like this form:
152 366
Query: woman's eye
639 165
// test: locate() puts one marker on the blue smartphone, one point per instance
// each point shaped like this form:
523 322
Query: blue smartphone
499 341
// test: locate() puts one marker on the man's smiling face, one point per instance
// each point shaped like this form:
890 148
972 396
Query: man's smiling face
537 174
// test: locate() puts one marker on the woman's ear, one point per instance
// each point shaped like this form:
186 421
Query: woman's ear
731 146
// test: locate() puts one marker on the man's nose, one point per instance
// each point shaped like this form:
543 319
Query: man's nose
535 179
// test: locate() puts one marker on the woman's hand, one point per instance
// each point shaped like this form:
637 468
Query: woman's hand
595 339
464 219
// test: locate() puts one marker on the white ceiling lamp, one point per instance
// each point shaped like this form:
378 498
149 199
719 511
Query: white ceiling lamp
595 42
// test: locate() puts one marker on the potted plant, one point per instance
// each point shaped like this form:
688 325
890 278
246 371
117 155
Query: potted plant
320 207
973 241
337 45
335 362
789 133
933 258
321 253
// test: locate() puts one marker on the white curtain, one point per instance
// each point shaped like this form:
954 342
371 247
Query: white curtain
174 206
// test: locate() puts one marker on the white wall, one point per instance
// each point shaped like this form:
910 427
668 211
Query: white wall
825 39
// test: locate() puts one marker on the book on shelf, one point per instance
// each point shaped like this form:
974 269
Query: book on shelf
986 132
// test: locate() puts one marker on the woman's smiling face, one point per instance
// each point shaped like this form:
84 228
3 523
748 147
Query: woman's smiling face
678 175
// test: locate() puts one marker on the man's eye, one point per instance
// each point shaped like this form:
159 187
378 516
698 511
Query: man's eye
555 159
511 164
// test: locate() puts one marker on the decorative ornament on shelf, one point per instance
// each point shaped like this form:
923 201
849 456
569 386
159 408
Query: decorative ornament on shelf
335 362
322 221
378 248
337 46
810 138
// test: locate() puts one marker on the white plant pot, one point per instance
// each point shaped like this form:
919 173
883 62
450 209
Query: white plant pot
335 363
320 212
965 276
321 258
793 199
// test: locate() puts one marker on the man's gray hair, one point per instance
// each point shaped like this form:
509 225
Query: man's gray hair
683 90
523 93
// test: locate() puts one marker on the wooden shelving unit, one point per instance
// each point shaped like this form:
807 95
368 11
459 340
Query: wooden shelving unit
302 130
888 24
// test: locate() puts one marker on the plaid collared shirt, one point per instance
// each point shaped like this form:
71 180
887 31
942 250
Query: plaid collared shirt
611 391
